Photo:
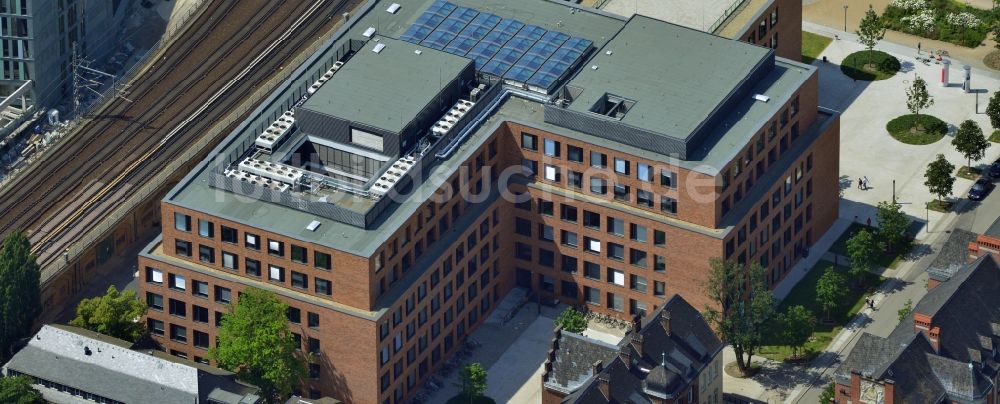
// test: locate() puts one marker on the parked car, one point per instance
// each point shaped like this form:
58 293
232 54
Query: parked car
980 189
995 169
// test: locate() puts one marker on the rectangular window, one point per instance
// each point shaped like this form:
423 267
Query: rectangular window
322 260
567 213
622 192
552 173
668 205
644 172
575 179
314 320
199 314
182 222
659 238
659 288
223 295
294 315
199 288
155 327
206 254
616 251
659 263
616 277
178 333
616 302
592 245
276 273
569 238
569 264
637 232
598 159
592 295
591 270
182 248
552 148
668 179
522 226
230 261
177 282
637 283
529 141
637 257
154 275
545 232
300 254
591 220
229 235
574 153
276 248
644 198
206 228
530 166
252 241
323 287
154 301
300 280
253 267
598 186
621 166
616 226
522 251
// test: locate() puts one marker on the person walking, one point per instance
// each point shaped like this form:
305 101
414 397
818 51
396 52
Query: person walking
918 48
869 221
866 183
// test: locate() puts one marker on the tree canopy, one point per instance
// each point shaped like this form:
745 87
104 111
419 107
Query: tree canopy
472 380
861 250
796 324
871 30
970 141
917 97
741 306
993 108
20 294
256 344
830 290
939 181
116 314
18 390
572 320
892 225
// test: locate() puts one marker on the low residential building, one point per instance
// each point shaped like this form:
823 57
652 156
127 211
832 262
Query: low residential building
945 351
671 356
74 365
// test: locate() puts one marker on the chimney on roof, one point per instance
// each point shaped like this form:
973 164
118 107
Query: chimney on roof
889 390
604 386
637 344
665 321
596 368
636 324
626 357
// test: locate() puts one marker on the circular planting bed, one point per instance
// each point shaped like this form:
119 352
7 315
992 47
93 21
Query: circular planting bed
917 129
992 60
870 66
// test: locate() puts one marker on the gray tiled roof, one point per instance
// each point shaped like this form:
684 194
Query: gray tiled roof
106 366
967 310
953 256
673 360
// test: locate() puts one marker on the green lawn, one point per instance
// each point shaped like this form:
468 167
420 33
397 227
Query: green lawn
804 294
968 173
915 129
884 260
870 66
939 206
813 45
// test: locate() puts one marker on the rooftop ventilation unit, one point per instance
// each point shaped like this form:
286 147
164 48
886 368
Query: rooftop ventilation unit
369 32
257 180
392 176
393 8
273 135
761 97
274 171
378 48
313 225
450 118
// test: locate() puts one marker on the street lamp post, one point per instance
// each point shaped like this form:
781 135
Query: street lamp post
845 17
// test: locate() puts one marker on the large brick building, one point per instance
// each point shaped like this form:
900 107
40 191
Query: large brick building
435 155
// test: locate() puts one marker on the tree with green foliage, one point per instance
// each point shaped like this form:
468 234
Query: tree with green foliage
870 31
970 141
905 311
796 324
116 314
256 344
828 394
993 108
20 293
472 381
572 320
830 291
18 390
940 181
892 225
917 98
741 306
861 249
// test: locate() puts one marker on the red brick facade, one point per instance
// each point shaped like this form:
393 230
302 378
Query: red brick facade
777 26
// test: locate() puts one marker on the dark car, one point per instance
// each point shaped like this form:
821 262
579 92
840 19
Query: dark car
995 169
980 189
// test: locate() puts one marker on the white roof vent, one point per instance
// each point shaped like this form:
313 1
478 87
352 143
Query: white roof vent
594 67
393 8
313 225
378 48
609 52
369 32
761 97
418 51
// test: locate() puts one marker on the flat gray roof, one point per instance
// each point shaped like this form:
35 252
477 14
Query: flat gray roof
389 88
697 14
676 76
719 146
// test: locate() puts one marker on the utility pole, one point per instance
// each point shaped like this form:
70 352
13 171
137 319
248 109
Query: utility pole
85 77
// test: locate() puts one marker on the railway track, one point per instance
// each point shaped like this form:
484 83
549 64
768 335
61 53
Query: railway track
228 50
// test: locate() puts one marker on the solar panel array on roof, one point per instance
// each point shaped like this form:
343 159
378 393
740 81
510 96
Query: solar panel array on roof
505 48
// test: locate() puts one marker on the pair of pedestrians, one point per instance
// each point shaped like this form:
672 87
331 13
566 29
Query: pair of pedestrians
863 183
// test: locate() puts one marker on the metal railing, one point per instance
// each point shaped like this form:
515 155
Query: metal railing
725 15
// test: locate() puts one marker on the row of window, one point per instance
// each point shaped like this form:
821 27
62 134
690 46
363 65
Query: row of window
276 248
590 220
599 186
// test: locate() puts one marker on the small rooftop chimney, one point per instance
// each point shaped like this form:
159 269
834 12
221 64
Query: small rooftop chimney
665 321
596 368
604 386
